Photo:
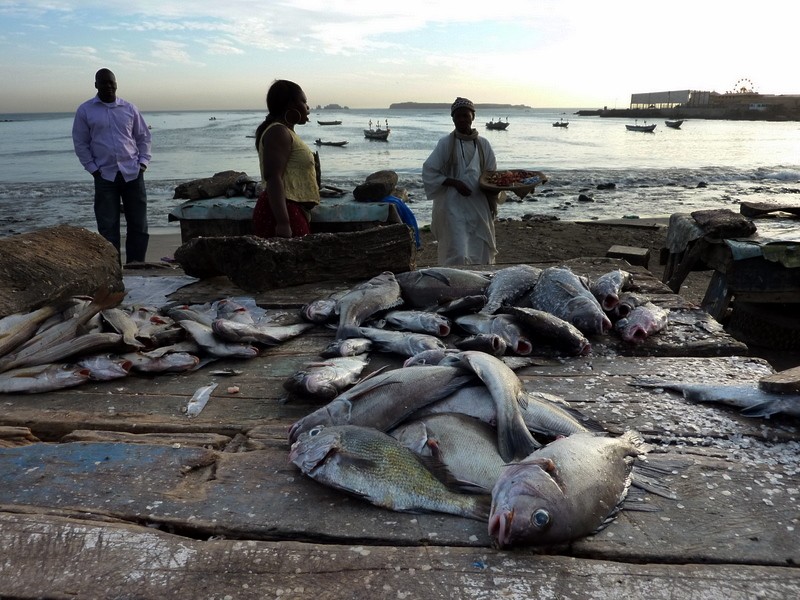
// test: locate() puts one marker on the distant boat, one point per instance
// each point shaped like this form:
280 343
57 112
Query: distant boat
497 125
329 122
561 123
319 142
378 133
645 128
674 124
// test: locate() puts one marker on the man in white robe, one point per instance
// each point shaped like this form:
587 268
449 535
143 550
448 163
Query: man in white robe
462 221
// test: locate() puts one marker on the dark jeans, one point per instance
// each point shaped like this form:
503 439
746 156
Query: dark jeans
107 197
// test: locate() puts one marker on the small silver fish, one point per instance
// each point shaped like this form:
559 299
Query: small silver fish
419 321
642 322
42 378
199 399
400 342
608 287
347 347
326 379
382 292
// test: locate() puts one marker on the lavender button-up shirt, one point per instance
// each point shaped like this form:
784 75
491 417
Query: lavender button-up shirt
111 137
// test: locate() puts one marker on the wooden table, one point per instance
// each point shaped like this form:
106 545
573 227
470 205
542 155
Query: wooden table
745 268
109 490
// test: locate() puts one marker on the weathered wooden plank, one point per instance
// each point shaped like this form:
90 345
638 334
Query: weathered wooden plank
129 561
738 507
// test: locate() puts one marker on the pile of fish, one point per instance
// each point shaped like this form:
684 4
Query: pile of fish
454 430
85 339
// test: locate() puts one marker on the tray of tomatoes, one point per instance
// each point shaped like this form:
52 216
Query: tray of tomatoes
519 181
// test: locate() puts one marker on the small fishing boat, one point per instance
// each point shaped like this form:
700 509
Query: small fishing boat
674 124
645 128
497 125
561 123
377 133
319 142
329 122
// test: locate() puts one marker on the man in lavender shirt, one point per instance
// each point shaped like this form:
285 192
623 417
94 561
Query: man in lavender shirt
112 142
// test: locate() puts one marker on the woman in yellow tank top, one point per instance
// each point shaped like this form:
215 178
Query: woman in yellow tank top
288 166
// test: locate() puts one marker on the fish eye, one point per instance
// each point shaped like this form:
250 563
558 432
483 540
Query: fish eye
540 518
316 430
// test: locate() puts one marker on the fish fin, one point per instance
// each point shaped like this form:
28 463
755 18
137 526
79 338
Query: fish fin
646 475
762 409
482 508
436 275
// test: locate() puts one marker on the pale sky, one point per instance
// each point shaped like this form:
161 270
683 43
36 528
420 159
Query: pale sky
222 54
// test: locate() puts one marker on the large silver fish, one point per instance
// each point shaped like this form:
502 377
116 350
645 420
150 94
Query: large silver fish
213 345
123 323
642 322
35 350
20 327
549 329
400 342
561 292
491 343
466 446
106 367
376 467
155 362
385 399
753 401
544 414
326 379
42 378
436 286
89 343
501 325
258 333
509 285
563 491
608 287
514 440
419 321
382 292
347 347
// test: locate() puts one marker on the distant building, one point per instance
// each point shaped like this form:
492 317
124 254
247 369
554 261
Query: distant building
671 99
741 100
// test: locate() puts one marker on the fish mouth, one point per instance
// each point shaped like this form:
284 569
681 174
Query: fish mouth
444 330
637 335
500 527
523 347
610 302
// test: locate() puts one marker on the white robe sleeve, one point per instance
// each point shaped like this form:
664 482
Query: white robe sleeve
433 174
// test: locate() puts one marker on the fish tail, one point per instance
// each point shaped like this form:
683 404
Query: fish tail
762 409
635 439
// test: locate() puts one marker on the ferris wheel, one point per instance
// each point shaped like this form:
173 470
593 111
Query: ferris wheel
744 86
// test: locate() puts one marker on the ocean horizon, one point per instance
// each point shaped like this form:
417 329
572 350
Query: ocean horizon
596 168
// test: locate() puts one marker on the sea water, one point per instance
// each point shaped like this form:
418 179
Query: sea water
706 164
